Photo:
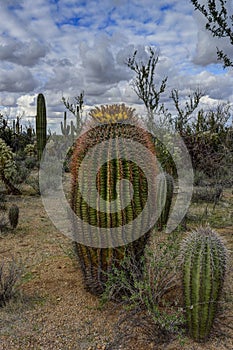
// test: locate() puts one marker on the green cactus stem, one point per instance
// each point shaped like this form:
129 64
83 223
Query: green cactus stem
41 125
165 188
65 129
204 259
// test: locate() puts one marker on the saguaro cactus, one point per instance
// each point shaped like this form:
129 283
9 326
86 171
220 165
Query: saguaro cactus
41 125
65 128
204 262
110 123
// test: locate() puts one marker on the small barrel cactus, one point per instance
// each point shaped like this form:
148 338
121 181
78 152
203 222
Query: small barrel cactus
203 263
165 188
14 215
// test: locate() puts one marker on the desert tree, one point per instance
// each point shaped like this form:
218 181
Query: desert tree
219 23
144 84
185 113
76 108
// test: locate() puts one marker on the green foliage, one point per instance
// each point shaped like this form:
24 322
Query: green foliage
204 259
14 216
14 136
41 125
7 163
7 167
208 136
146 292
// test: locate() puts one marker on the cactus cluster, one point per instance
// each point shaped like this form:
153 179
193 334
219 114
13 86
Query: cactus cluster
95 262
203 264
41 125
7 167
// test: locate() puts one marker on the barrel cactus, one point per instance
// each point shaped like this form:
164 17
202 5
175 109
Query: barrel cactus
204 257
41 125
110 124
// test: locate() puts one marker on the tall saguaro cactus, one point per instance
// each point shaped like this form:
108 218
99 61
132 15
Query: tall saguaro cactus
111 128
204 262
41 125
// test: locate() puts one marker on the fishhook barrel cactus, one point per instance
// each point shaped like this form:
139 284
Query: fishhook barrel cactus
111 124
204 263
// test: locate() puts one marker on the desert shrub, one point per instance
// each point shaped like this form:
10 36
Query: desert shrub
33 181
3 221
209 194
10 274
2 201
31 162
147 293
13 216
9 219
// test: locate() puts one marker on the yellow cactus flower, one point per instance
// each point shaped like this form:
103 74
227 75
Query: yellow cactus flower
112 113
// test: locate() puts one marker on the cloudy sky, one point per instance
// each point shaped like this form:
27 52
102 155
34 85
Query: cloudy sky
61 47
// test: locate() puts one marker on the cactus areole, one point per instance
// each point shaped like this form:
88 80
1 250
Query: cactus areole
115 196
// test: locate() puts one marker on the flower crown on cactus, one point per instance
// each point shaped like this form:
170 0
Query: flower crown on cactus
112 113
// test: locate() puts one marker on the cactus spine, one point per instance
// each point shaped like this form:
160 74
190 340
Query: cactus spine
95 262
14 215
165 188
203 263
41 125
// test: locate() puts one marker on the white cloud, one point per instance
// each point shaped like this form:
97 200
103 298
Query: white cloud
63 47
22 53
17 79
